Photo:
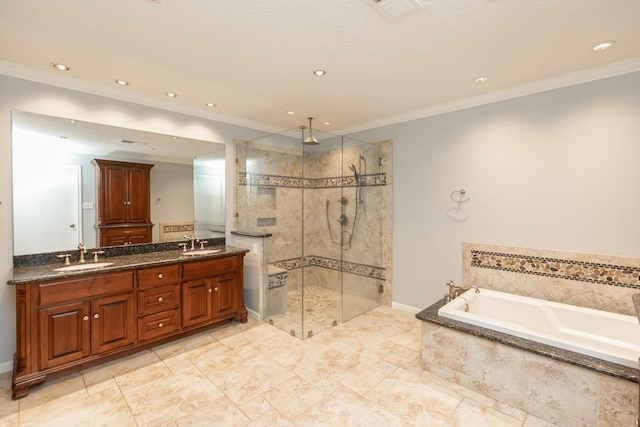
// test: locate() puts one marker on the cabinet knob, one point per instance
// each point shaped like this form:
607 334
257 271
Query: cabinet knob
210 290
85 317
160 276
215 289
159 299
95 316
160 325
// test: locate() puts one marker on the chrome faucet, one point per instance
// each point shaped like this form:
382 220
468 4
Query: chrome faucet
192 240
456 290
83 251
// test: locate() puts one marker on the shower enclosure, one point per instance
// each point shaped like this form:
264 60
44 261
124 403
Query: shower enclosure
327 208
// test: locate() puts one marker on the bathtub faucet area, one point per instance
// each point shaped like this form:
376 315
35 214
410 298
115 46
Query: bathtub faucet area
456 290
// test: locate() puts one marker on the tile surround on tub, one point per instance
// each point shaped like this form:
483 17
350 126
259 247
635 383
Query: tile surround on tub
603 282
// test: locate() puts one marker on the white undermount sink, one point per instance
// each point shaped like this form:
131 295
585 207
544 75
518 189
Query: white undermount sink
87 266
201 252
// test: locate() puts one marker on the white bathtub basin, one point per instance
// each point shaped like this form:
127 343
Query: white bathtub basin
80 267
201 252
602 334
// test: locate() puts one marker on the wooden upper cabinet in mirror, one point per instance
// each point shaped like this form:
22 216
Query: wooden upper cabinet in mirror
123 213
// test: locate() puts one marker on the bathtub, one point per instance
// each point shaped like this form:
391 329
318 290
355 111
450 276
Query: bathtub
601 334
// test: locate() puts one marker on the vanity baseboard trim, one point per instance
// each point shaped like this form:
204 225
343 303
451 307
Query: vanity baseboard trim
22 383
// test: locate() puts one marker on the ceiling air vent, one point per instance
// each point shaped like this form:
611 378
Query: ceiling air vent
395 9
132 142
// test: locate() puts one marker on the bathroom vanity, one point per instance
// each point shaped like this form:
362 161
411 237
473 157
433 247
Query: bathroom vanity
68 321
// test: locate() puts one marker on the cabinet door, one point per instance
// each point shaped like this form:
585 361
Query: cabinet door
225 295
116 197
112 322
64 334
138 190
196 302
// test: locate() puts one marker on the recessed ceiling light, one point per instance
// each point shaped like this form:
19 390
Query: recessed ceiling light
171 94
481 79
210 104
319 72
71 121
122 82
60 67
603 46
291 113
174 137
326 123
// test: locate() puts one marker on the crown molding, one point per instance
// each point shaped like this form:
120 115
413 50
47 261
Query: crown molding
71 83
556 82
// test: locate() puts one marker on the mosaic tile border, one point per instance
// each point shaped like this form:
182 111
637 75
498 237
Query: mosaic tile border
365 270
607 274
264 180
277 280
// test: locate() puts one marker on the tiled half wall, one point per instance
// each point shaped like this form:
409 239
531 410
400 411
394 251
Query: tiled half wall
603 282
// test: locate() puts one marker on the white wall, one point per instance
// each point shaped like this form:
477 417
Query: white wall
559 169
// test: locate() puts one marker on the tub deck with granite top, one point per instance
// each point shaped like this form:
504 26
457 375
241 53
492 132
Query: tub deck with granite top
555 384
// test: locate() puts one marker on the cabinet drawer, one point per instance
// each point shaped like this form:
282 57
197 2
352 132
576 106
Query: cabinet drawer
84 288
209 268
158 324
158 299
165 275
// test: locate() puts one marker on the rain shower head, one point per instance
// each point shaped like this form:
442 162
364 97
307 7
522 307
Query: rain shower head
352 167
310 140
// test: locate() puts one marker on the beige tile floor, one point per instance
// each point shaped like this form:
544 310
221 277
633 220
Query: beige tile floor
365 372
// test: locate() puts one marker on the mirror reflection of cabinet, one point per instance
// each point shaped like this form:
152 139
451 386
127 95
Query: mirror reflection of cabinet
123 213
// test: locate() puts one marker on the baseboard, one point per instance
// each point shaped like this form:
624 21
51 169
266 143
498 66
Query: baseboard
6 366
404 307
253 314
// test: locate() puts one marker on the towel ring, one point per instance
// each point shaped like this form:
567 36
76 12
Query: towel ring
458 196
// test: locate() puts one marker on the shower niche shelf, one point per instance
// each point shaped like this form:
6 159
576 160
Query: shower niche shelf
266 222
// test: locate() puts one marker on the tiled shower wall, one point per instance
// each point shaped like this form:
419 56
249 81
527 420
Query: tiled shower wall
269 198
603 282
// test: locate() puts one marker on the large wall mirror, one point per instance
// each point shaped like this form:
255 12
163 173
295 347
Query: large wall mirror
54 189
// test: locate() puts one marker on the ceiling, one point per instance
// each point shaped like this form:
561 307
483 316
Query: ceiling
255 60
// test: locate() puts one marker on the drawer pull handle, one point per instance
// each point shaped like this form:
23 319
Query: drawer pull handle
95 316
160 276
159 299
215 289
160 325
85 317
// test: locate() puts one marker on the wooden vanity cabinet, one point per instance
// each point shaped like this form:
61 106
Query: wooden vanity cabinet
66 325
125 235
158 301
210 291
79 318
123 207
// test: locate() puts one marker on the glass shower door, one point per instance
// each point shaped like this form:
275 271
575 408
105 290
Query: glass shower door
362 254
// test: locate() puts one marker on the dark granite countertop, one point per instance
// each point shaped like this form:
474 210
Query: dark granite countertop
430 315
251 233
38 273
